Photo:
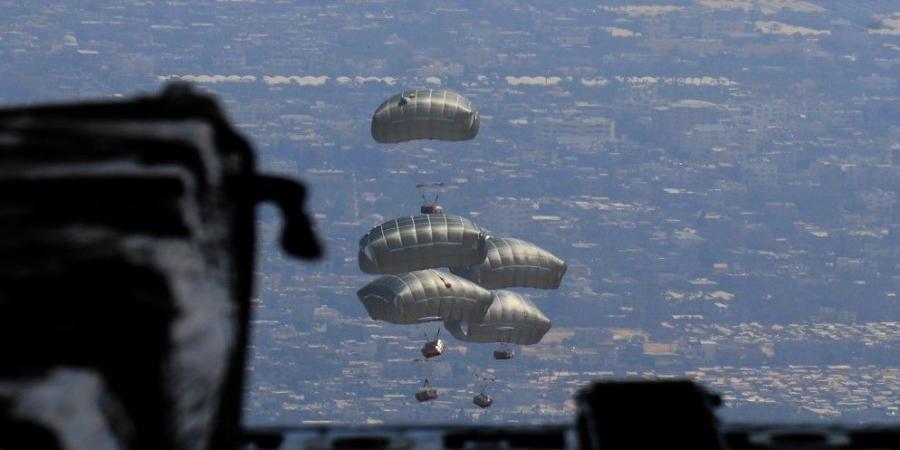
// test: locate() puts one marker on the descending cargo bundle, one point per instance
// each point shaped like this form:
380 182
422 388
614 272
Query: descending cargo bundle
511 318
424 296
515 263
425 114
425 241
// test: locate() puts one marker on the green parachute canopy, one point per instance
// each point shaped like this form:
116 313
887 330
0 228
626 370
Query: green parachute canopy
419 242
515 263
425 114
424 296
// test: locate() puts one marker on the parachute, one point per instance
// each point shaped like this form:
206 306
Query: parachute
510 318
419 242
425 114
515 263
424 296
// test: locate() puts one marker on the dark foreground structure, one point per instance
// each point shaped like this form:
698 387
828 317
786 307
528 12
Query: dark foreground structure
126 250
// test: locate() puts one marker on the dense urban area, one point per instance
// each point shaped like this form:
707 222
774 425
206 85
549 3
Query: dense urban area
721 177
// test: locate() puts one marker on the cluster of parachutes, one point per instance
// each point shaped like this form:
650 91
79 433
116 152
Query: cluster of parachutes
471 299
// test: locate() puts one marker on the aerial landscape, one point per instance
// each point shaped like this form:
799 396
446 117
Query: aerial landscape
717 181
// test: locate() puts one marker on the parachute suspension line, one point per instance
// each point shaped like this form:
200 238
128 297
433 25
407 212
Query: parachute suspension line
433 201
483 384
354 206
437 334
431 187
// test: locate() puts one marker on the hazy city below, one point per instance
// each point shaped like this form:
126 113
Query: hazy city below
721 177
